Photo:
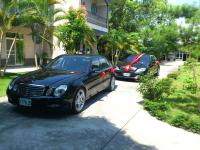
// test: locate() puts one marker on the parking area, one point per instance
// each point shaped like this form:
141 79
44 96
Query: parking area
113 120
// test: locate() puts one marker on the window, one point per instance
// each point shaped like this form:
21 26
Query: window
17 52
94 9
95 64
70 63
12 35
153 58
145 60
104 63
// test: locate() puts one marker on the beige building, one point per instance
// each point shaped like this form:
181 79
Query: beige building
23 52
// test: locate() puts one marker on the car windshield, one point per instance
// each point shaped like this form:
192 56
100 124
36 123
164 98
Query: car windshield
130 59
70 63
145 60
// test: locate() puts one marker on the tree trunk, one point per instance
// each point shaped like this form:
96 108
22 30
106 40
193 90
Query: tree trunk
1 49
117 58
36 63
43 39
112 55
4 69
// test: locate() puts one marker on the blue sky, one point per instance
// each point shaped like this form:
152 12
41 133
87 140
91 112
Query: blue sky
180 2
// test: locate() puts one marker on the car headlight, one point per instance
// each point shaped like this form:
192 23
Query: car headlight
141 70
117 68
59 91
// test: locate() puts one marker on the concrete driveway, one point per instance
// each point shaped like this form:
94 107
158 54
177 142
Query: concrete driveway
110 121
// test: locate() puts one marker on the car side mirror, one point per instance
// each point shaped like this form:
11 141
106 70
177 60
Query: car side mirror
94 70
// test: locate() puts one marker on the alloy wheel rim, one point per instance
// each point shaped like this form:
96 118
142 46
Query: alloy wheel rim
80 100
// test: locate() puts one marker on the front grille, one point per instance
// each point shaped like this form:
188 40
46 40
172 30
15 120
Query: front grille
31 90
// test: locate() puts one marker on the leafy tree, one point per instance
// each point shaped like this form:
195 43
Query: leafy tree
161 40
136 15
150 19
118 44
41 19
75 31
186 11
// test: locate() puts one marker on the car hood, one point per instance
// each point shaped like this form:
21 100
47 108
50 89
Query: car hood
137 65
48 77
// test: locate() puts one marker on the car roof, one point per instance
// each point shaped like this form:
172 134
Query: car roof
90 56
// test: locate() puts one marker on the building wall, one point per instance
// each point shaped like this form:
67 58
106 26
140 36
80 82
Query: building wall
29 52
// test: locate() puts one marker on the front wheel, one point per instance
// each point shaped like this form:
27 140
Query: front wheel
79 101
112 84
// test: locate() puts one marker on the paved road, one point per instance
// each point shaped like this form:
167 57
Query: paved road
110 121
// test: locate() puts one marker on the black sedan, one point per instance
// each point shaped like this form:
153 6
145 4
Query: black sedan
136 65
66 81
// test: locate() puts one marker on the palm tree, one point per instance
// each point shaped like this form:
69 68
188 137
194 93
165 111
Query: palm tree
10 11
117 41
42 22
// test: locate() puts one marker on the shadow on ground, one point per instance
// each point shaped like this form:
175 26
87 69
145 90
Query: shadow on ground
51 129
127 80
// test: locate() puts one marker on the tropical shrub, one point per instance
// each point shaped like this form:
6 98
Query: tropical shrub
154 89
157 109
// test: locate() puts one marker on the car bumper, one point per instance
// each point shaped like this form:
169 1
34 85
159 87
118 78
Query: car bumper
132 76
42 101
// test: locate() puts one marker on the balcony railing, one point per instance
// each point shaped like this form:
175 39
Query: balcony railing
96 19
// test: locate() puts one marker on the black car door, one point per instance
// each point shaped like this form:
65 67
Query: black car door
94 79
105 73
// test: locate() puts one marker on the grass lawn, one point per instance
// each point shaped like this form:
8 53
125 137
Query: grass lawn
4 82
180 108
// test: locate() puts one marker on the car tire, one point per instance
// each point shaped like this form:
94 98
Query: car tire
112 84
79 101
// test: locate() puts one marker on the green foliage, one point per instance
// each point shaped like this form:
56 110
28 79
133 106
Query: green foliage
194 126
180 120
190 39
161 40
157 109
186 11
134 16
5 80
117 43
75 31
41 18
173 75
190 85
155 22
185 121
180 108
154 89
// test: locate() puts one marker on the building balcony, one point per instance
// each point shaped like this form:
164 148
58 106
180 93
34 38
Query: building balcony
97 19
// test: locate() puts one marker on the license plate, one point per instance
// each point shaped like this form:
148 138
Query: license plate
25 102
126 74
